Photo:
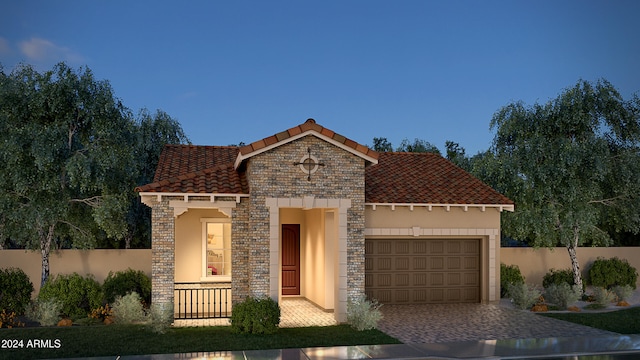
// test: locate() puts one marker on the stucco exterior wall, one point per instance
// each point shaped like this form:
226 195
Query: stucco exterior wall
188 229
535 263
437 218
98 262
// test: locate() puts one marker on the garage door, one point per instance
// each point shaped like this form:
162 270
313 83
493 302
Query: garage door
415 271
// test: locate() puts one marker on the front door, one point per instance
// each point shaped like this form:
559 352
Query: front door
290 259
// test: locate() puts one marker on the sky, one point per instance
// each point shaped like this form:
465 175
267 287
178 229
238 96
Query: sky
239 71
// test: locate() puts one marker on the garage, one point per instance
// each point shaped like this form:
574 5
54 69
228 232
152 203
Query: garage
422 271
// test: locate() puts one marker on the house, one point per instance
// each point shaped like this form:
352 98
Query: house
310 213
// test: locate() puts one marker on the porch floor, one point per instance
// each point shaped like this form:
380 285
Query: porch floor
294 312
300 312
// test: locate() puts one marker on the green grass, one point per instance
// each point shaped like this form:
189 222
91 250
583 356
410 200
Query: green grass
621 321
84 341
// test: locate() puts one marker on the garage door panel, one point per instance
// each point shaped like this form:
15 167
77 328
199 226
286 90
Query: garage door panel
402 263
420 263
422 270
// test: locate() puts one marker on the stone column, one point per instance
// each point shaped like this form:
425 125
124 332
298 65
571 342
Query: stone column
162 252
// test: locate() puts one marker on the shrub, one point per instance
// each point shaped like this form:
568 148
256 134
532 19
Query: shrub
523 296
46 312
9 320
78 294
363 314
123 282
602 297
128 309
161 317
558 277
608 273
562 294
15 290
623 292
255 316
509 275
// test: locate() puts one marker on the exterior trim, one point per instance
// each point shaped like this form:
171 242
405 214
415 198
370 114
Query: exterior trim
148 197
411 206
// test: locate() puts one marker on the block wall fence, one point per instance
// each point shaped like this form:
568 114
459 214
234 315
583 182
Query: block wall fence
532 263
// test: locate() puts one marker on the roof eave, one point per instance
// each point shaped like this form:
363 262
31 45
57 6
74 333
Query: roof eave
147 197
430 206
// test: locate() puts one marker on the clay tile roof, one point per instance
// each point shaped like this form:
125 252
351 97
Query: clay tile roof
177 160
425 178
223 179
309 125
198 169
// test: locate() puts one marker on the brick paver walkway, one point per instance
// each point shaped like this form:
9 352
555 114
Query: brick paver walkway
467 322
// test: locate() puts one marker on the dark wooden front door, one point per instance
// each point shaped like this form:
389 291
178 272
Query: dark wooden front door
290 259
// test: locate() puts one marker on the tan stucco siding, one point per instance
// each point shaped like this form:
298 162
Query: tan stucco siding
437 218
313 255
188 248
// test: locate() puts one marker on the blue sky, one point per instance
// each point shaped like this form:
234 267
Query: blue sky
232 71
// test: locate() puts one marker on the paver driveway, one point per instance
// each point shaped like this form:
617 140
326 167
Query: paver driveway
465 322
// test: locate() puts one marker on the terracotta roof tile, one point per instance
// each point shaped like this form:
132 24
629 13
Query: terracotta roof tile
223 179
177 160
425 178
197 169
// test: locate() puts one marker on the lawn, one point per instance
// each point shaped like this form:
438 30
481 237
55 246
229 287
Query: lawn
621 321
85 341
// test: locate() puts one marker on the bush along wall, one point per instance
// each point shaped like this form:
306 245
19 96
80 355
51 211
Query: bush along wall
608 273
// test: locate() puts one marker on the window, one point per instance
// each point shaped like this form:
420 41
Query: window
216 249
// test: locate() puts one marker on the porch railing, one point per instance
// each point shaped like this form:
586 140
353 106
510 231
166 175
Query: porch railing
196 300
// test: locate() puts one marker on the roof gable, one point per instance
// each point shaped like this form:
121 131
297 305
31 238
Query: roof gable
309 127
425 178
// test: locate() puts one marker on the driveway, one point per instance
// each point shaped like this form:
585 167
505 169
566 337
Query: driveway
471 322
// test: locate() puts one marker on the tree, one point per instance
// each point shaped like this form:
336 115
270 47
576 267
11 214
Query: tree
457 155
152 133
571 165
417 146
381 144
68 169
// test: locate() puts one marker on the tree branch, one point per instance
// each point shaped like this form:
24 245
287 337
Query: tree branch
94 201
74 227
609 201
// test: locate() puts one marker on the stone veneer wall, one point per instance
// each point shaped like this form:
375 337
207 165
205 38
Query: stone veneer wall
240 245
273 174
162 252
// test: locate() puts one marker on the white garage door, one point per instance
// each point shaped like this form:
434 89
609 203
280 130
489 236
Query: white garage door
422 271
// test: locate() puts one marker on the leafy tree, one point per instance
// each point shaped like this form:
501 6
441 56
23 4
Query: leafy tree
571 166
418 146
457 155
152 133
68 169
381 144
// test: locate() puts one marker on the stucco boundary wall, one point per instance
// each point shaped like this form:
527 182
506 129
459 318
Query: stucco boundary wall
97 262
535 263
